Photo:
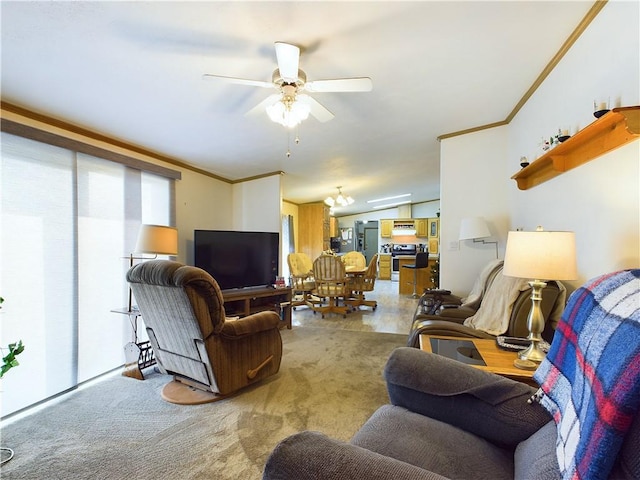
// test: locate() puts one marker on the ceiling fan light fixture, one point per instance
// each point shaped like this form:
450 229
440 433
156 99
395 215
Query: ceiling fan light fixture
288 112
294 106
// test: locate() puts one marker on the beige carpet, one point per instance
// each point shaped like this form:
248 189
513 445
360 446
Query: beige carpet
330 381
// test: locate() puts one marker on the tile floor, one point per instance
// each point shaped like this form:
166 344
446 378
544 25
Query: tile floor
393 314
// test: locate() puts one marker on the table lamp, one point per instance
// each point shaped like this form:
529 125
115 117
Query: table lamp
539 255
156 240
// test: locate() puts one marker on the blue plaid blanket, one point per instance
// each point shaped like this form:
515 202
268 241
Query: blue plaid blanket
591 377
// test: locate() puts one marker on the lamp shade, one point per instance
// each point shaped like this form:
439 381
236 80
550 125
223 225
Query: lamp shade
541 255
474 227
157 239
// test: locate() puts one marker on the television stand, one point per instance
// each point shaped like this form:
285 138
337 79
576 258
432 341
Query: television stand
243 302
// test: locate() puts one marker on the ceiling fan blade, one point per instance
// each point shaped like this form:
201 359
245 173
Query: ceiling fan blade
359 84
261 107
288 60
317 110
238 81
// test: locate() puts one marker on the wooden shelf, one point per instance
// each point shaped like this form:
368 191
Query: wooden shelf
246 301
614 129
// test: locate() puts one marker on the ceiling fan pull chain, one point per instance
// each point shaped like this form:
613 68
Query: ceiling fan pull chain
288 143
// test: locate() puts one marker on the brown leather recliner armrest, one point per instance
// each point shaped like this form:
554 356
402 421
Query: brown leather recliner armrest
432 300
444 328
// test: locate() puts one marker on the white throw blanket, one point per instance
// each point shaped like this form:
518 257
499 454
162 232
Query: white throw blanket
493 315
475 296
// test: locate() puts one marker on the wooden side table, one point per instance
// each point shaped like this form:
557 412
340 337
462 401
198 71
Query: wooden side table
138 355
497 361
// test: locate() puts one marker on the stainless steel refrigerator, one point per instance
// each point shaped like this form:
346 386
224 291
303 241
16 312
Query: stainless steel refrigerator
347 239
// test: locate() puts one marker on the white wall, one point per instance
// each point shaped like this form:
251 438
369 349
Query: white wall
599 200
472 184
257 205
202 203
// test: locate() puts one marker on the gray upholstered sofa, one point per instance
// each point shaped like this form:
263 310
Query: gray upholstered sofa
448 420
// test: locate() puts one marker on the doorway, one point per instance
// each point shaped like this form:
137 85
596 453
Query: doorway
370 247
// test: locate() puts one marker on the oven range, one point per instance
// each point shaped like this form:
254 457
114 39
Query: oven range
397 251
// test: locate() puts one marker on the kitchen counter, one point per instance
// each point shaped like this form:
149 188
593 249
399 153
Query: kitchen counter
405 282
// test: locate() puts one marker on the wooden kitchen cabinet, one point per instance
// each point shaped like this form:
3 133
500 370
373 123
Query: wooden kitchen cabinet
386 227
333 227
313 229
422 227
384 266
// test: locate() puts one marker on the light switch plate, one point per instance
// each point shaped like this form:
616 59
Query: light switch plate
454 245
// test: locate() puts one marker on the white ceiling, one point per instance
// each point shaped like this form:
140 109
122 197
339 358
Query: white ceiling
133 71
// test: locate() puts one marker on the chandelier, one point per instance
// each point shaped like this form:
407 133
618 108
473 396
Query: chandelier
287 110
340 201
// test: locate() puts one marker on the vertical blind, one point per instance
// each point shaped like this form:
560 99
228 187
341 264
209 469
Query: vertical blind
68 222
287 245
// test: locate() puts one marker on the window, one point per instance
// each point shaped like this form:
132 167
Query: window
68 223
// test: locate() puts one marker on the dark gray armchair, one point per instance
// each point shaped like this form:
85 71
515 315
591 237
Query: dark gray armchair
447 420
209 356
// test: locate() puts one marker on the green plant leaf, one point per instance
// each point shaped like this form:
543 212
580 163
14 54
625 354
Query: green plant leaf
9 360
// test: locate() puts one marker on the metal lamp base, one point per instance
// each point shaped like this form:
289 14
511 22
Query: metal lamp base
532 353
535 324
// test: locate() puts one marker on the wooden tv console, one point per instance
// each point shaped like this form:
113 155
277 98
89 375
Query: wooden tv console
242 302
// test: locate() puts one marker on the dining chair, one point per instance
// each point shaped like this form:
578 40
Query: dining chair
331 283
355 260
361 282
302 281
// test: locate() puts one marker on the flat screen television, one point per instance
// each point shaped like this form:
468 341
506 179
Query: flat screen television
238 259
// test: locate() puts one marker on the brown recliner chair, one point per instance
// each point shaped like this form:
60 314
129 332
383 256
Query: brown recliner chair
209 356
456 317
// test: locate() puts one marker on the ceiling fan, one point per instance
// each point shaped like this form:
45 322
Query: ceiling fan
289 106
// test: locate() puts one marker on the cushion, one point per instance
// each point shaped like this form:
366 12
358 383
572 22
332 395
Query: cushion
433 445
536 456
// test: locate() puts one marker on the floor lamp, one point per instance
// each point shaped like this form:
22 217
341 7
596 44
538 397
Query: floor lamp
476 229
155 240
542 256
